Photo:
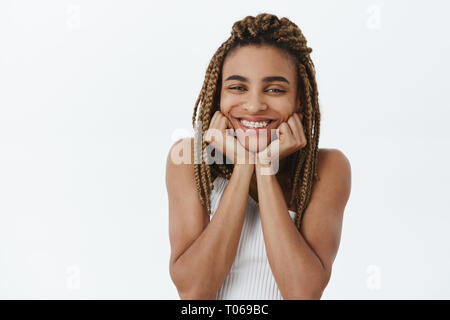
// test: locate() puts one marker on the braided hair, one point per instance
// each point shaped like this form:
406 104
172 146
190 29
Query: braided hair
264 29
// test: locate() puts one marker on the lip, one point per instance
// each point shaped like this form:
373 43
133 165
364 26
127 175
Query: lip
256 130
254 118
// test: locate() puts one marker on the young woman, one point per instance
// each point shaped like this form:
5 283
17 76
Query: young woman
237 232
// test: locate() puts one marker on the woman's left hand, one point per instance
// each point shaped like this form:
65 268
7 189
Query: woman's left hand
291 138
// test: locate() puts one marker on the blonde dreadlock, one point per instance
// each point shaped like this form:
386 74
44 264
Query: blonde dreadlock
282 33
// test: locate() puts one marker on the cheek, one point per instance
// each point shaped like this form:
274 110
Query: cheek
284 110
225 110
225 103
229 101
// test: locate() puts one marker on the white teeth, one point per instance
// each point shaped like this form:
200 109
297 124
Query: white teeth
255 124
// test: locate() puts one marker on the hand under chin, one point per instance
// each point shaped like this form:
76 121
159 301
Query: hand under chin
254 147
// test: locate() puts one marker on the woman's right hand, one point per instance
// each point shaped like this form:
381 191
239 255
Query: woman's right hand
220 135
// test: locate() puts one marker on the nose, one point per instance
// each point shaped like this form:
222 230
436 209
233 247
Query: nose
255 104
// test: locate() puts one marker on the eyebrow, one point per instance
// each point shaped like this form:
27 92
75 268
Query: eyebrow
265 79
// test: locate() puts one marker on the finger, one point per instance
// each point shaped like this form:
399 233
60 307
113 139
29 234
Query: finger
212 123
272 150
296 125
300 129
291 124
284 130
208 131
229 125
299 117
229 128
222 123
225 124
294 128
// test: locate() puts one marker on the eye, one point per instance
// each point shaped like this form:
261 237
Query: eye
232 88
278 90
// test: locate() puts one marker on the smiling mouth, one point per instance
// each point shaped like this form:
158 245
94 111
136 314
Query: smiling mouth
254 125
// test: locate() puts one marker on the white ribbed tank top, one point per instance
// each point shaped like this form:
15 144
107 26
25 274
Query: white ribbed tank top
250 276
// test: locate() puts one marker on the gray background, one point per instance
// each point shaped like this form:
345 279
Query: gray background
93 94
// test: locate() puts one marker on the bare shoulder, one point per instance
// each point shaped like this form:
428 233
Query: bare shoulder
187 216
333 158
334 170
180 154
180 180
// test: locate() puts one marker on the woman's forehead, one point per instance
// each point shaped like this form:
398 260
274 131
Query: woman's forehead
258 61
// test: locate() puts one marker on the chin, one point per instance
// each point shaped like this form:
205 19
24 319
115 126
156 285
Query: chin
253 143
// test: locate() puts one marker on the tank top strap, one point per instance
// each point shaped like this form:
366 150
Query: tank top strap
219 184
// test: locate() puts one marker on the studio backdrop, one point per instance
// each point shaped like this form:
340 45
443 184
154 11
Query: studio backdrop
94 93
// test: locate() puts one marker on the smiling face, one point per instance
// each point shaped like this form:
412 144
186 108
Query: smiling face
258 93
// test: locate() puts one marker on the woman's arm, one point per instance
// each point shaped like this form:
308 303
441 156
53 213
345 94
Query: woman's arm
301 262
203 251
